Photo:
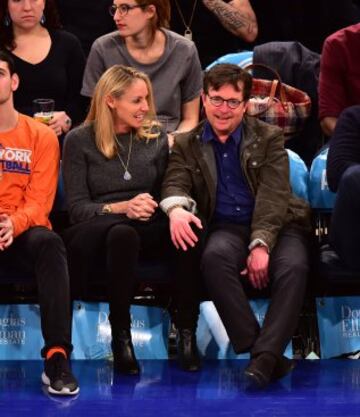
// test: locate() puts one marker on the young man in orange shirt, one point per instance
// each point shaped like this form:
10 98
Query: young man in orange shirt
29 163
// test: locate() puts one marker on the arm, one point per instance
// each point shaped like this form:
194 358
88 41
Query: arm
177 184
79 201
332 82
94 68
6 232
177 203
328 125
191 87
237 17
189 118
273 193
190 115
344 148
75 66
72 61
40 192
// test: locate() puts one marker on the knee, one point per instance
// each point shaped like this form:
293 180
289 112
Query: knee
293 270
350 181
42 239
123 237
214 260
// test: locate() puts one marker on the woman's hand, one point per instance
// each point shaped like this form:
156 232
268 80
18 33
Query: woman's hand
141 207
60 123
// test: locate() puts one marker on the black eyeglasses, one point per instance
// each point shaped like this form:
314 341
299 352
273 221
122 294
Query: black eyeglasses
218 101
123 8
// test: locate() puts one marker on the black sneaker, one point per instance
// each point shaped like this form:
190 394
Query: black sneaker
58 376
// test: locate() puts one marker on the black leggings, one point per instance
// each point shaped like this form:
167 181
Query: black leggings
115 243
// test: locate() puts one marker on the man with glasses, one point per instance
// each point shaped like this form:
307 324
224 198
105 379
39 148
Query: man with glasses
230 177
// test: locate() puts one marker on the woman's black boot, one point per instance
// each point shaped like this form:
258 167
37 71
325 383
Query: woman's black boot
123 351
188 355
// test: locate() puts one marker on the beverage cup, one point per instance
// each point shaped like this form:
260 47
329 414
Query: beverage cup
43 109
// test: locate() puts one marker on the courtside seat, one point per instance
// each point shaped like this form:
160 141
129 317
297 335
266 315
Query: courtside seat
332 276
333 270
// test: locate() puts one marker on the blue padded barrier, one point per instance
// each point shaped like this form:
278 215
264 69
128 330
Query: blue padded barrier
299 175
339 325
242 59
319 193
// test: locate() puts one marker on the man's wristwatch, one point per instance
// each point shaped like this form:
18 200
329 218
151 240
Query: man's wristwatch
106 209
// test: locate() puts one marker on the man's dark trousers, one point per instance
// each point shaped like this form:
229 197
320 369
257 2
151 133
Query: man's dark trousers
225 255
41 251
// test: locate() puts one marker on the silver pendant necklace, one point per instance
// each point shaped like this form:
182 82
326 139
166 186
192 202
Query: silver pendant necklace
188 32
127 176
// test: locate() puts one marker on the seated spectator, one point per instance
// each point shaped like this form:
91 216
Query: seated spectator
143 42
28 185
339 84
86 20
343 174
53 69
232 170
113 167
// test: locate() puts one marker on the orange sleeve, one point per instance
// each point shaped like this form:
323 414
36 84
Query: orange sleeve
40 192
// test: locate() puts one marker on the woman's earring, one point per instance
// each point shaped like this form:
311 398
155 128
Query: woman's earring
43 19
7 20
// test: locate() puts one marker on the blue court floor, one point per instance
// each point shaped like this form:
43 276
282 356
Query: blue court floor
315 388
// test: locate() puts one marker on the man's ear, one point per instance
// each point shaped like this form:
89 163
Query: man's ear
245 106
15 82
203 97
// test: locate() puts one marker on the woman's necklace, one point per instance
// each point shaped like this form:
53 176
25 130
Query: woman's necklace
188 32
127 176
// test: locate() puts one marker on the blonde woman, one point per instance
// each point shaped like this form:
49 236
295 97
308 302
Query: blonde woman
113 168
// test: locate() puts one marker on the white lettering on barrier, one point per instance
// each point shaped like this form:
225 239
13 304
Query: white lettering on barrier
350 321
324 182
12 337
12 321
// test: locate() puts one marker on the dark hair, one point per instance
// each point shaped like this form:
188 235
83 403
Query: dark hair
7 40
5 57
222 74
163 12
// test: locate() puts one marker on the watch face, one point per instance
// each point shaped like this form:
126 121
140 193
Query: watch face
106 209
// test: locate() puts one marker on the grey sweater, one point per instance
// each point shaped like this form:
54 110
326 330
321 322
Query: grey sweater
91 180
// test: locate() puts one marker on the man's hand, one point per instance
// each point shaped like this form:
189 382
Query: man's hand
6 232
182 235
258 267
141 207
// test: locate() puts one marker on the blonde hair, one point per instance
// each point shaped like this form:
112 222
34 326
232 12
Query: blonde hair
114 82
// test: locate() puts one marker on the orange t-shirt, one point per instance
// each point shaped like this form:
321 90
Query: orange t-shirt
29 165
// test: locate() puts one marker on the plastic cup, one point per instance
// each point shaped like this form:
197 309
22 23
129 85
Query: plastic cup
43 109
